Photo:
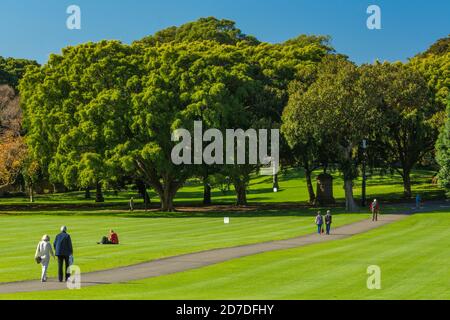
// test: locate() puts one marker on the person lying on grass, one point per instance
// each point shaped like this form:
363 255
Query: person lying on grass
112 238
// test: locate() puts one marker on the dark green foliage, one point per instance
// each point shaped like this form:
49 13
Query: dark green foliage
212 29
12 70
443 151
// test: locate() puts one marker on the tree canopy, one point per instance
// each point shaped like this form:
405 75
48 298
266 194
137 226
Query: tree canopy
443 151
222 31
407 131
99 113
338 105
102 110
434 65
12 70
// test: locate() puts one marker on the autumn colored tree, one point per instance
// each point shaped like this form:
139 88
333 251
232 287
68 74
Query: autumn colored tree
13 150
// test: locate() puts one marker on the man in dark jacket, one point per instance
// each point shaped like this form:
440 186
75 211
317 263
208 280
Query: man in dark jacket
63 250
328 221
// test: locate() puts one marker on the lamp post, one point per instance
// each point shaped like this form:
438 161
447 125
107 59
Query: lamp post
363 196
275 182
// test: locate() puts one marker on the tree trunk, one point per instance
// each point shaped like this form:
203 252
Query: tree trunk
167 191
99 193
407 183
87 193
165 185
241 193
167 204
350 204
167 199
31 192
142 188
312 195
206 193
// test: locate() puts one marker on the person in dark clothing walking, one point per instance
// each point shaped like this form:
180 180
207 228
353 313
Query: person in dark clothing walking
328 221
375 208
63 250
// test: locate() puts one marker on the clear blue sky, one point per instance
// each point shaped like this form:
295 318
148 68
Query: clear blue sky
35 28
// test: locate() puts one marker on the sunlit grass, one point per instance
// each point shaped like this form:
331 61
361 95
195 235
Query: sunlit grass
413 254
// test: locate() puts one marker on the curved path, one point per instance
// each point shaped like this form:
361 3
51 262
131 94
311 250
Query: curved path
190 261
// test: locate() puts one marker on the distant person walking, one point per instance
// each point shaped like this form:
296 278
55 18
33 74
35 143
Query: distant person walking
328 221
43 252
375 208
63 250
418 201
319 222
131 203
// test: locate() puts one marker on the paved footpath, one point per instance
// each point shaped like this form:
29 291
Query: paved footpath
196 260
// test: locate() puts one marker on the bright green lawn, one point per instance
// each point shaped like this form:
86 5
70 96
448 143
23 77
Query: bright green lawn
144 237
414 256
292 189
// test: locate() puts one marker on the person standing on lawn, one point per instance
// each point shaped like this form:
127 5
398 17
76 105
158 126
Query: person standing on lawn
418 201
43 252
131 204
319 222
328 221
375 208
63 250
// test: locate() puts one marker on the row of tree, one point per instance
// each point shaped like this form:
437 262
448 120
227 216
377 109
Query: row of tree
101 113
387 104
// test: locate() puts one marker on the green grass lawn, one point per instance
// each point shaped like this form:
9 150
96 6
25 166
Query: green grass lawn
143 236
300 273
413 254
292 190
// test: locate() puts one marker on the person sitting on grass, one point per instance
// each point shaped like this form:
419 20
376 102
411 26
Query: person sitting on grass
112 238
319 222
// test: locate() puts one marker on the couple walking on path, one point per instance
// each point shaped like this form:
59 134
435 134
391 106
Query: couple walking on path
320 221
63 250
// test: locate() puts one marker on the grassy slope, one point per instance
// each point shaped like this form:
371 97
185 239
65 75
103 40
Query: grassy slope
414 256
142 238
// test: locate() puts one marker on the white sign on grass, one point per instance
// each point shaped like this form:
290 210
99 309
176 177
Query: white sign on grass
226 220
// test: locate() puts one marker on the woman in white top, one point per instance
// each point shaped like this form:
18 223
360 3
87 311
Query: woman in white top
44 251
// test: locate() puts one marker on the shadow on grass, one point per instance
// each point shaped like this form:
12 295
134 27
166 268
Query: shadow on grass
209 212
221 205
